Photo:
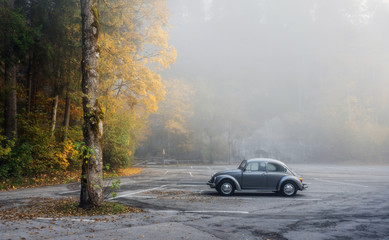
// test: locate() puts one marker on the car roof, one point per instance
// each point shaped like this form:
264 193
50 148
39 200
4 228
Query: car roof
265 160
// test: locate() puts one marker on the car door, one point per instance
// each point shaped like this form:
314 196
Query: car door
274 174
254 175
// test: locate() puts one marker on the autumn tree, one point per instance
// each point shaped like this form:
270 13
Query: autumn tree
92 167
134 46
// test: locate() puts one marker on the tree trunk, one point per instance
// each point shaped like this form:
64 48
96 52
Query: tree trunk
54 115
30 81
92 170
66 118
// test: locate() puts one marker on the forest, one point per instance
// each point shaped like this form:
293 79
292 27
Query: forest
41 96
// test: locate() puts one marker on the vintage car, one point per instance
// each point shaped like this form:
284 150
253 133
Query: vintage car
260 174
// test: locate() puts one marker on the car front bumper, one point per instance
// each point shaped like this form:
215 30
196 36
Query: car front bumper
211 184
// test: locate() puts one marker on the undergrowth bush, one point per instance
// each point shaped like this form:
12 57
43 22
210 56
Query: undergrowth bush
36 151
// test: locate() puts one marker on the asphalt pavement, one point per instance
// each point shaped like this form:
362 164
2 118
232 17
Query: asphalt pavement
342 202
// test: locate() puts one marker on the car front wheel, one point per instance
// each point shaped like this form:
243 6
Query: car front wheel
288 189
226 188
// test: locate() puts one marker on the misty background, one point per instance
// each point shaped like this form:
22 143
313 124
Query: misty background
300 81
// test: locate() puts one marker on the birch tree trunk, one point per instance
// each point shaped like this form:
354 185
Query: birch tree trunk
66 118
54 115
92 168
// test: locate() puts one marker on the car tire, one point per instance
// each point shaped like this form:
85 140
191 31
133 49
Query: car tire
226 188
288 189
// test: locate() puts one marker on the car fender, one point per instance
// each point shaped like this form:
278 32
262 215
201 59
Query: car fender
219 178
292 179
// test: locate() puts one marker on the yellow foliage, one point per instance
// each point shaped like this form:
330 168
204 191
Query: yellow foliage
68 152
131 48
129 171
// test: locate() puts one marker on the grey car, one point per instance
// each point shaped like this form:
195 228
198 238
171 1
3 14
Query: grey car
262 174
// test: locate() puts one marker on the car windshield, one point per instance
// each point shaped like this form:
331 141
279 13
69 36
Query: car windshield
242 164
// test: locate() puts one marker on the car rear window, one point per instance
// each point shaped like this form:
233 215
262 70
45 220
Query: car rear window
273 167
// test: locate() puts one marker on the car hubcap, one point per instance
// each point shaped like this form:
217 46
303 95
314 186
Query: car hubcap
289 189
226 188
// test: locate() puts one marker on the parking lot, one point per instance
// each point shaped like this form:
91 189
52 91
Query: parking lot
342 202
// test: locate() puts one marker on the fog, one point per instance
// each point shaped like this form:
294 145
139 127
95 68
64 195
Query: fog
301 81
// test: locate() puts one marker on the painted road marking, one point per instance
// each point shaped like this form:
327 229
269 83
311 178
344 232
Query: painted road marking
305 199
144 196
62 193
166 172
191 184
329 181
141 191
210 211
202 211
190 174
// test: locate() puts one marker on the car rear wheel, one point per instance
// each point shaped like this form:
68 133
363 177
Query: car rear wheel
226 188
288 189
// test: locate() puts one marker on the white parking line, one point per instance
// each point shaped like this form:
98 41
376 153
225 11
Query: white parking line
142 196
329 181
209 168
203 211
62 193
166 172
133 193
210 211
306 199
190 174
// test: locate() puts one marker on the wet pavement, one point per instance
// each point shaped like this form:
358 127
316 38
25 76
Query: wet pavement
342 202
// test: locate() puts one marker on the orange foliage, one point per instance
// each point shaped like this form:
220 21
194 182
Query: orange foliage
129 171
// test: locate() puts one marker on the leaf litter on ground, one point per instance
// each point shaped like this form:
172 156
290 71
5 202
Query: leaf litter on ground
61 207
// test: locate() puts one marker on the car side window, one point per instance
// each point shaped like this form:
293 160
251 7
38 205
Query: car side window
254 166
262 167
272 167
